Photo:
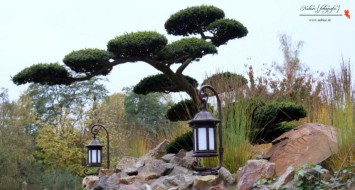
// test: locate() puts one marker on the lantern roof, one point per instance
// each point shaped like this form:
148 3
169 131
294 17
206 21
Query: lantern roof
94 143
203 116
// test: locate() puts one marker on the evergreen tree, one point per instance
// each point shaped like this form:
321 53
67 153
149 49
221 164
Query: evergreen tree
207 22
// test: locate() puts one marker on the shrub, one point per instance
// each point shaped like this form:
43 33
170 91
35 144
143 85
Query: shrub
310 176
182 111
182 142
271 120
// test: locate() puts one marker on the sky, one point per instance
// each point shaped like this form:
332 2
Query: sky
44 31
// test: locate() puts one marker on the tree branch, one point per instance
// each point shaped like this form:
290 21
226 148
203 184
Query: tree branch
88 76
183 66
203 36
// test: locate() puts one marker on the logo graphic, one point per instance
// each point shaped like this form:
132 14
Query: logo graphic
323 12
347 14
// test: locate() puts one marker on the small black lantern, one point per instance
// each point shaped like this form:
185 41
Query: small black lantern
94 154
94 158
204 127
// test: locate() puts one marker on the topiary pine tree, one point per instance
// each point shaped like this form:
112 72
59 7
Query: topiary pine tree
208 22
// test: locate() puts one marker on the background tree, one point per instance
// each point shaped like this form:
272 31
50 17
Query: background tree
208 22
61 150
17 163
55 103
146 110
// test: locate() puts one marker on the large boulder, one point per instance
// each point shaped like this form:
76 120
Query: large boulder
308 143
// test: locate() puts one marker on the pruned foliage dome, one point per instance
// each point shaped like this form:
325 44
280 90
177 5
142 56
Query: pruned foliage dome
225 29
226 81
182 111
192 20
270 120
137 44
160 83
180 50
43 73
89 61
279 112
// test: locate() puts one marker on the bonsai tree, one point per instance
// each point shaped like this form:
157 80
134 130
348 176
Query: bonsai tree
206 24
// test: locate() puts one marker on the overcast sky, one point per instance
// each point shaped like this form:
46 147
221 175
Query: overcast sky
44 31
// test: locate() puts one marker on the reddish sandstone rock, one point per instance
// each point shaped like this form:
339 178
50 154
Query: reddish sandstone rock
308 143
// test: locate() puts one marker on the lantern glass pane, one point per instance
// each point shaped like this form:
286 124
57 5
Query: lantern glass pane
202 139
89 156
94 156
195 139
211 138
99 156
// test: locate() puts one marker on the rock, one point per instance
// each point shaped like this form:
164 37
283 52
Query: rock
89 181
180 170
184 159
227 176
180 181
24 185
217 187
183 181
157 166
253 172
146 176
101 183
203 182
160 187
104 172
264 187
130 165
284 178
158 152
258 150
113 181
161 181
146 187
188 160
127 180
129 187
168 157
308 143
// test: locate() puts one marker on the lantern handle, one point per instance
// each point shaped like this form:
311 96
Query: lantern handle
203 98
95 132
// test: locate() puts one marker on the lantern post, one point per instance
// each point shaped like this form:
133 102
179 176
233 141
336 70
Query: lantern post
204 134
94 149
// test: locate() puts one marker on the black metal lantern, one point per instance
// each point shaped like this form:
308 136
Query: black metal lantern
204 134
94 153
204 127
